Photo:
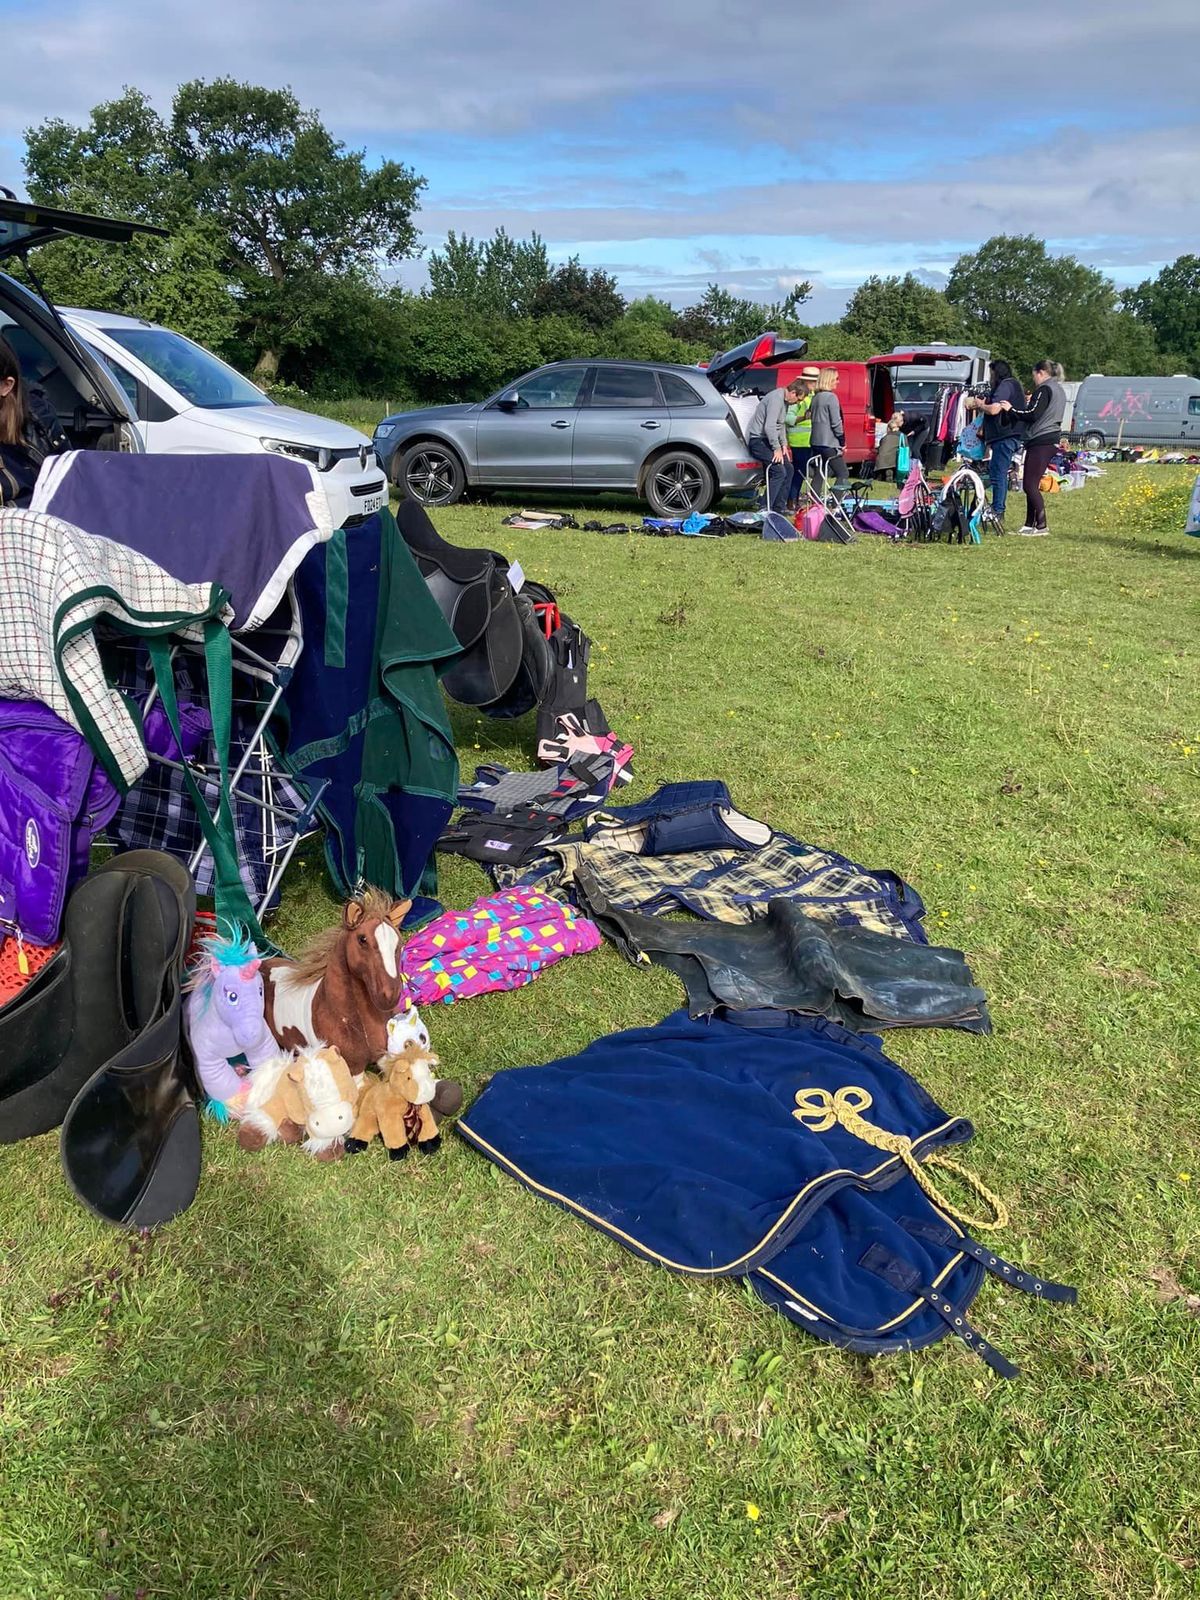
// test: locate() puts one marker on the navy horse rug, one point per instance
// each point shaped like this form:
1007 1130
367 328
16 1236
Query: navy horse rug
770 1146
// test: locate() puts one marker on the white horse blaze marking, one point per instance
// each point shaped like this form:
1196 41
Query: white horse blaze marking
388 941
425 1082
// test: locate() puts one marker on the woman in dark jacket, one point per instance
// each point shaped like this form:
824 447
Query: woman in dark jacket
1043 419
29 432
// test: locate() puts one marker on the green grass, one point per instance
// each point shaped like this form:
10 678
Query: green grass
363 1381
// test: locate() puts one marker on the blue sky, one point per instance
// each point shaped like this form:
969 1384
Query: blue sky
678 144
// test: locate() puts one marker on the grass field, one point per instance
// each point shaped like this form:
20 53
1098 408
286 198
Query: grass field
366 1381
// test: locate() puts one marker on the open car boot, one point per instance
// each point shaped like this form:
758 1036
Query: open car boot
94 1043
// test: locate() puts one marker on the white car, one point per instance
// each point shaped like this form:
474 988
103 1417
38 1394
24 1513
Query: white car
188 402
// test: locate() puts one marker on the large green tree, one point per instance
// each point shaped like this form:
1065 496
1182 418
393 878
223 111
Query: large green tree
269 214
720 319
1022 303
496 277
589 297
299 209
890 311
121 163
1170 305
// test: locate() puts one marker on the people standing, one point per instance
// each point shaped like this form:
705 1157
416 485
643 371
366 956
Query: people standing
1002 430
1042 420
768 442
828 430
799 433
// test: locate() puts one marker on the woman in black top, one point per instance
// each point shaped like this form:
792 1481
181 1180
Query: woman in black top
1043 419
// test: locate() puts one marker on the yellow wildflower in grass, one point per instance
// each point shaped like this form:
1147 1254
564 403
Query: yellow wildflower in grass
752 1511
1184 1177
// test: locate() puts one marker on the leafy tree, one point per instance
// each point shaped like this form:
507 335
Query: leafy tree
121 164
1023 303
721 319
591 298
267 213
297 207
829 341
890 311
497 277
651 312
1170 305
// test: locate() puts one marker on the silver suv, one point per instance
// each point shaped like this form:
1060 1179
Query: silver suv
664 433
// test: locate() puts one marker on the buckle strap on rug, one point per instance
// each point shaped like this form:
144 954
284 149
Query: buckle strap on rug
819 1110
902 1276
1030 1282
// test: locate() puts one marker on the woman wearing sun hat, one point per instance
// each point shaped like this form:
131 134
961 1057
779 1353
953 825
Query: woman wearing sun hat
799 432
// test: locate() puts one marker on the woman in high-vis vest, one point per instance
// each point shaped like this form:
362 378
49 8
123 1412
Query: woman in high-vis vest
799 433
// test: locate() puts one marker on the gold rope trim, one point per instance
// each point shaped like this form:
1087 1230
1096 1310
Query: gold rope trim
819 1110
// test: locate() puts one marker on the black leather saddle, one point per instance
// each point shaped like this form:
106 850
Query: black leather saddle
505 665
93 1044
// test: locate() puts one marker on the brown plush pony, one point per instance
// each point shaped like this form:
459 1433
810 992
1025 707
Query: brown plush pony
398 1107
309 1097
344 986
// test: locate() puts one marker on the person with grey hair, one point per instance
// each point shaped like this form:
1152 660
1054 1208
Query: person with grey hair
768 441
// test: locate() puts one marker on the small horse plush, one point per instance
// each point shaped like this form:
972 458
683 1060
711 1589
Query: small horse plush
344 987
224 1018
309 1098
398 1107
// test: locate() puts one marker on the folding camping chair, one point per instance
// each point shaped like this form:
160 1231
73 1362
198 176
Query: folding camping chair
915 504
245 522
822 492
272 813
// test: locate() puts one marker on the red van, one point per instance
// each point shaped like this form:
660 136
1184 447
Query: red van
864 392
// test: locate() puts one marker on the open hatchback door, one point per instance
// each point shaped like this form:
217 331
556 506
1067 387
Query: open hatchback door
768 350
92 409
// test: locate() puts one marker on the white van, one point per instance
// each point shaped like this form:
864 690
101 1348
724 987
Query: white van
188 402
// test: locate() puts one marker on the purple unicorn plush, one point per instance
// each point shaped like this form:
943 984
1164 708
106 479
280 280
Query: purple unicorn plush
224 1019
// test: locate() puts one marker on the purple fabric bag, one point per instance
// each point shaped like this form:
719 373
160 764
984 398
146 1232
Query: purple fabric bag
875 522
195 725
54 798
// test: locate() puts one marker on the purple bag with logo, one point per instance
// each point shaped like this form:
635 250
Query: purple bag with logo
54 798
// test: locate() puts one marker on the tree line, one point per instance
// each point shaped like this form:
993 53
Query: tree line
281 237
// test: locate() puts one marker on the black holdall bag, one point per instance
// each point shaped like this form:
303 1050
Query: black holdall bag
94 1044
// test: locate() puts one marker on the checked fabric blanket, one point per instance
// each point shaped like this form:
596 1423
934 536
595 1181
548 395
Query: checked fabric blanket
771 1147
58 586
731 885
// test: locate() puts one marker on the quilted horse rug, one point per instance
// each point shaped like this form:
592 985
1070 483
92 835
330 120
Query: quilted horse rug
772 1147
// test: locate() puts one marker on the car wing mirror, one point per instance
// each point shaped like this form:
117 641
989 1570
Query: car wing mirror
509 400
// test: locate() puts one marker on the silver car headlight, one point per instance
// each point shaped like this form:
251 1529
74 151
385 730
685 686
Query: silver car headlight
316 455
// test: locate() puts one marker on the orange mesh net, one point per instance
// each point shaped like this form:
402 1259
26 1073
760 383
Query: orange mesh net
19 963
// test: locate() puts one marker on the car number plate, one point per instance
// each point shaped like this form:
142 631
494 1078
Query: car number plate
373 503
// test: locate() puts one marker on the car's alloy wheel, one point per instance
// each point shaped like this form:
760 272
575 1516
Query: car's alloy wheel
1093 441
678 484
431 475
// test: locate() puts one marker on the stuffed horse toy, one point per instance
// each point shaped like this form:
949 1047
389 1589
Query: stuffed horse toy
309 1098
224 1018
398 1107
345 986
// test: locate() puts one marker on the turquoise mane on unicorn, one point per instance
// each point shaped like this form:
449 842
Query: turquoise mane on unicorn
224 1017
